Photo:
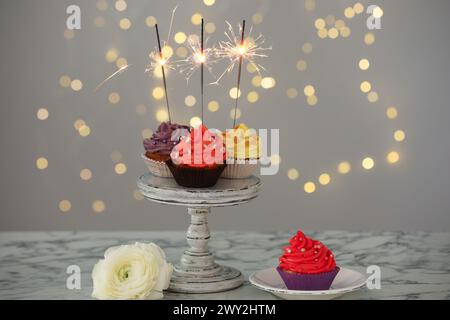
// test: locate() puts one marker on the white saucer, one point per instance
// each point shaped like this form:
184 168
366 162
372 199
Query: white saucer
346 281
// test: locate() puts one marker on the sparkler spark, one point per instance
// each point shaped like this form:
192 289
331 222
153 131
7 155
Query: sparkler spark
196 58
233 49
119 71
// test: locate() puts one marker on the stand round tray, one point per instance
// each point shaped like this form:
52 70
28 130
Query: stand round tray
197 271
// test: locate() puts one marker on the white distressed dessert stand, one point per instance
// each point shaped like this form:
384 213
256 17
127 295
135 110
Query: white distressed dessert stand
197 271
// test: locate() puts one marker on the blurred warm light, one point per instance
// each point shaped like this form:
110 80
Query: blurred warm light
301 65
330 20
64 205
195 122
85 174
275 159
120 168
182 52
377 12
180 37
150 21
293 174
339 24
146 134
312 100
364 64
162 115
209 2
268 82
196 18
257 18
344 167
358 8
114 98
41 163
324 179
116 156
393 157
64 81
84 131
76 85
292 93
252 96
190 101
309 187
310 5
102 5
78 124
372 96
322 34
307 47
121 62
238 113
365 86
112 55
121 5
235 93
399 135
368 163
125 24
345 32
319 23
213 106
369 38
98 206
256 81
309 90
158 93
141 109
333 33
42 114
349 13
137 195
167 51
391 113
210 27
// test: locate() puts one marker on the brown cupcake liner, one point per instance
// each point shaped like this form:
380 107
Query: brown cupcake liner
192 177
157 168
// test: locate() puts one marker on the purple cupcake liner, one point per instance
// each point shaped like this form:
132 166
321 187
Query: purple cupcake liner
308 282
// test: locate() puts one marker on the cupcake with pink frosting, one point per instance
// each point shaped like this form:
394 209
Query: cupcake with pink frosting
159 146
307 264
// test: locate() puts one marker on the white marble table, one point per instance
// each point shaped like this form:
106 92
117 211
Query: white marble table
413 265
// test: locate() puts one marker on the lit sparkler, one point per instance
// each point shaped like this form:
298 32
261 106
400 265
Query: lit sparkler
236 47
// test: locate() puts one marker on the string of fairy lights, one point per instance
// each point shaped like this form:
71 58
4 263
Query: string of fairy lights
328 27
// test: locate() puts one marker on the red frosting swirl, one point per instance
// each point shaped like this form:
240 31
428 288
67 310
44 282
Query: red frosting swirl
306 255
202 148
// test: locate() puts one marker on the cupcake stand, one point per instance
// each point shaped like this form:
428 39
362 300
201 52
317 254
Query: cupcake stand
197 271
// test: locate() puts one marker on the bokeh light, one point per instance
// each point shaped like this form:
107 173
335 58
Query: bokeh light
344 167
368 163
309 187
293 174
42 163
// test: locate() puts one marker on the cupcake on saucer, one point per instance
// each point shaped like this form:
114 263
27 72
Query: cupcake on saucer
243 152
307 264
199 159
159 146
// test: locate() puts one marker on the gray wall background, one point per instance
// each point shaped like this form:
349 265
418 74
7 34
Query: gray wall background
410 68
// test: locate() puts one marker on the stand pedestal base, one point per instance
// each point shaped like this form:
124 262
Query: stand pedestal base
197 271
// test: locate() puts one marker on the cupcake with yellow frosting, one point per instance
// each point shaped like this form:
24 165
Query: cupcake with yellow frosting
243 152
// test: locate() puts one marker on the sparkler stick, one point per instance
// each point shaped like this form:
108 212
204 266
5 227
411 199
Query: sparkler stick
161 62
201 68
241 57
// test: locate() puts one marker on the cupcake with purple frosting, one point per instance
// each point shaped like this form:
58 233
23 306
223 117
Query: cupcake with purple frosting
160 145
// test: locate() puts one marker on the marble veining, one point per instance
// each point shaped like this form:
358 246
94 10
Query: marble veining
413 265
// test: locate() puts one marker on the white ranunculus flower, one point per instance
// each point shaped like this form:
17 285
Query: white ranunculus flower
138 271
